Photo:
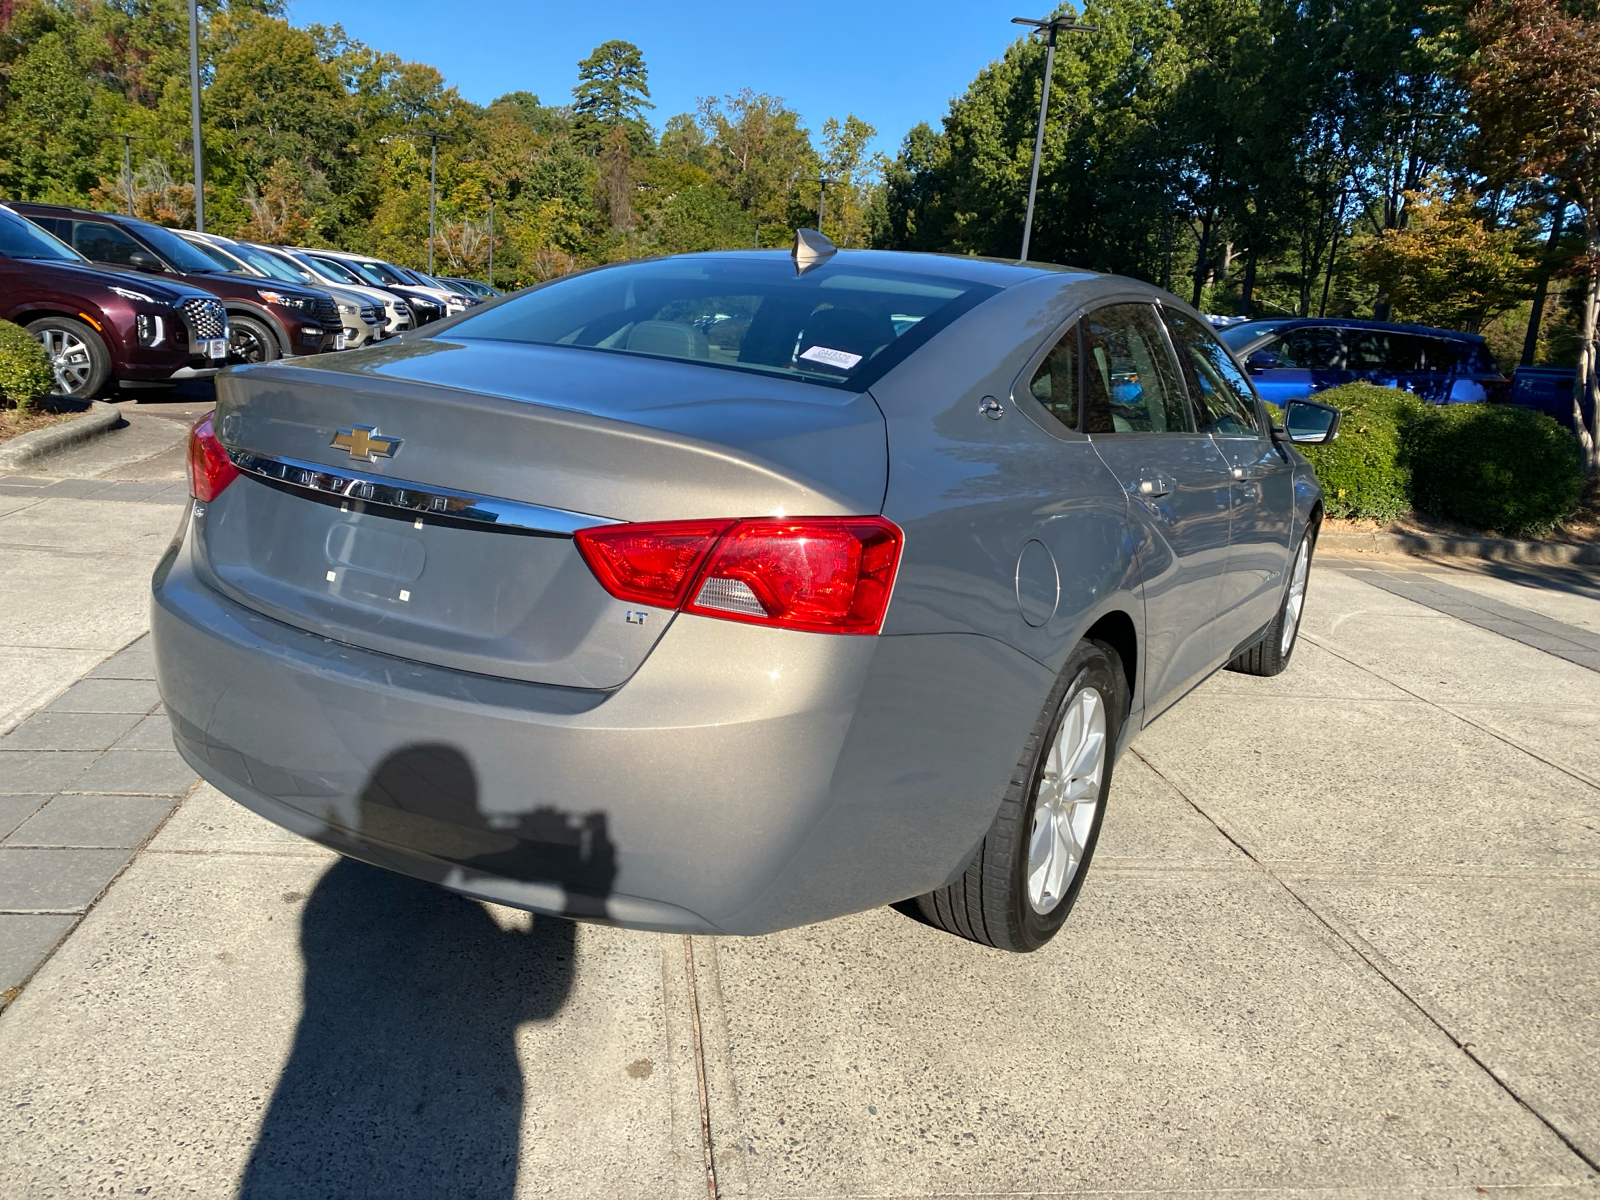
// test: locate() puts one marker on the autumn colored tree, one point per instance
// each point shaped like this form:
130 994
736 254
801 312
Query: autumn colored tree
1446 267
1534 85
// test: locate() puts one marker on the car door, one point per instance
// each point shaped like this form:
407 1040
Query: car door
105 243
1140 423
1299 362
1261 486
1385 357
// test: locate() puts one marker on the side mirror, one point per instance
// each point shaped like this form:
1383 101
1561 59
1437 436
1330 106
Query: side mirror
139 260
1309 423
1261 360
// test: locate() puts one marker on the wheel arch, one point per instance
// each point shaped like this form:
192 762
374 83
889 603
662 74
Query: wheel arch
240 308
1117 630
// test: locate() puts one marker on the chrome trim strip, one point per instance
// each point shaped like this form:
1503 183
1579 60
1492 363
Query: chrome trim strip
428 501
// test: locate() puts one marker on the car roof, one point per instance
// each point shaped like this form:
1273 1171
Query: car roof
1265 325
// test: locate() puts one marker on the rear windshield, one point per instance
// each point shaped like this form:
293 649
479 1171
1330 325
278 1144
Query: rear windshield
837 324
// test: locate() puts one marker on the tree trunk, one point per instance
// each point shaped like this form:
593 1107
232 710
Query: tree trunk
1247 286
1202 256
1587 383
617 161
1530 342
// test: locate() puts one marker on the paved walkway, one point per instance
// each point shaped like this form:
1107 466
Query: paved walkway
1339 939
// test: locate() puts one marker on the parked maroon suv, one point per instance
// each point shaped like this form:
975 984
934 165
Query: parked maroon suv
99 324
266 319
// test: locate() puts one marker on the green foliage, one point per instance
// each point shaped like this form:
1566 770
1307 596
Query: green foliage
1502 468
25 372
1363 473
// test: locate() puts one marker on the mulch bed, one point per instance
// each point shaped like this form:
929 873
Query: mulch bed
51 410
1582 528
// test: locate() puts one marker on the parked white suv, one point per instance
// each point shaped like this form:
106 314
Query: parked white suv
362 318
390 273
322 272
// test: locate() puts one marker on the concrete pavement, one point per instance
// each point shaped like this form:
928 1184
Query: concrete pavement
1339 939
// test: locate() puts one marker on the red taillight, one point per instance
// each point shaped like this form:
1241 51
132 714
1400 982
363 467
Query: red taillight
823 574
210 468
649 563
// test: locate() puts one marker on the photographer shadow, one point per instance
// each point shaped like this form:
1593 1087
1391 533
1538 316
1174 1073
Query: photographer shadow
404 1079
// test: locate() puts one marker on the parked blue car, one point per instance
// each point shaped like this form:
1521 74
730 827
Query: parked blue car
1290 359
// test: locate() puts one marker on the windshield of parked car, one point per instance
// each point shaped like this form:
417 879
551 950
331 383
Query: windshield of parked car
268 264
377 273
1236 337
836 324
21 238
220 256
332 268
176 251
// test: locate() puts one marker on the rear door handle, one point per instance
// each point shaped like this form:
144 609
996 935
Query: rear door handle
1151 485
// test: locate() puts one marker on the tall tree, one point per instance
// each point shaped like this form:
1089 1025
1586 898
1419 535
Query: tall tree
1535 91
613 91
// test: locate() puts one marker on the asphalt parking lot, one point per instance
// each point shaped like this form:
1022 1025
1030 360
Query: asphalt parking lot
1339 939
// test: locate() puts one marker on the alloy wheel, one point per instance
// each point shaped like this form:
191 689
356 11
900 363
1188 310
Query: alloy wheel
1296 600
70 359
244 344
1069 793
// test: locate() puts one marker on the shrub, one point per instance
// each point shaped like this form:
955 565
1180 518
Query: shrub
25 372
1502 468
1363 473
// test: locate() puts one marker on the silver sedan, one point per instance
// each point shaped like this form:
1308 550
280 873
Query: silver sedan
729 592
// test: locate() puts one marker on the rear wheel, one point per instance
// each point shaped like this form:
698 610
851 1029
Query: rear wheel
250 341
1028 871
77 353
1271 654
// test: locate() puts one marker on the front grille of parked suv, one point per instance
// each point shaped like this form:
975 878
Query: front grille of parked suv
207 318
325 311
371 314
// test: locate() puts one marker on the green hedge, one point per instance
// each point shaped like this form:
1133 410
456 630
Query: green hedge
25 372
1505 469
1363 473
1502 468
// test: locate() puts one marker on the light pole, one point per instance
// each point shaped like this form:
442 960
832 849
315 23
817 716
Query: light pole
1049 27
491 241
194 116
433 182
127 167
822 199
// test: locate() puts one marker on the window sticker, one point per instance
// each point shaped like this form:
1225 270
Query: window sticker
841 359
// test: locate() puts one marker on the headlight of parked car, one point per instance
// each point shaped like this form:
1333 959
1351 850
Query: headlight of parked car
348 310
287 301
152 330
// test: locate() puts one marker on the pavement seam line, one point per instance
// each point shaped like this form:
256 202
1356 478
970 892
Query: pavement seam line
1570 772
700 1068
1374 967
11 995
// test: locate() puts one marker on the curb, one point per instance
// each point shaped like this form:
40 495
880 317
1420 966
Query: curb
1439 546
27 449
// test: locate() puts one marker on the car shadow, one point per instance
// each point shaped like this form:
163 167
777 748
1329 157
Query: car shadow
404 1078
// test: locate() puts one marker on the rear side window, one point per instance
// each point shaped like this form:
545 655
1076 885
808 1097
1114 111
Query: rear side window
1130 384
104 243
1380 350
1055 382
837 323
1311 348
1224 398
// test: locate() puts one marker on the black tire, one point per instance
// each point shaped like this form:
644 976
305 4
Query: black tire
78 353
250 341
990 902
1270 656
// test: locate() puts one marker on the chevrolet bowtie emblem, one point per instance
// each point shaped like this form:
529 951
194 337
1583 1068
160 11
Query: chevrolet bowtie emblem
365 442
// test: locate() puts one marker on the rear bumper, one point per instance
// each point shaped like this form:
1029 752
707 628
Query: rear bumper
743 780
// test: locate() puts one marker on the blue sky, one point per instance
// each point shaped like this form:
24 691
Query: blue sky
892 65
